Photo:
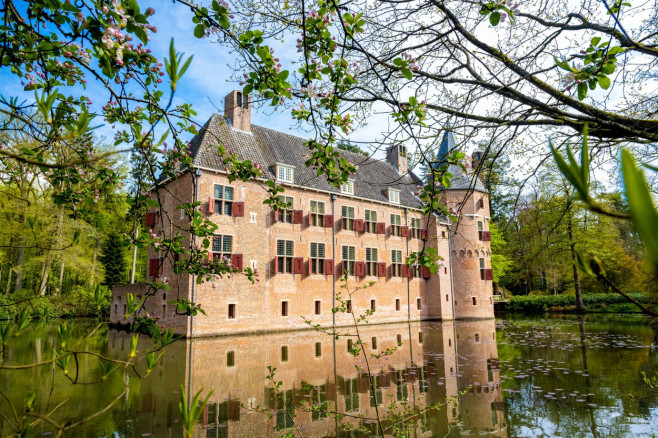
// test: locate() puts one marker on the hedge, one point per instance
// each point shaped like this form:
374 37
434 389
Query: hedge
538 304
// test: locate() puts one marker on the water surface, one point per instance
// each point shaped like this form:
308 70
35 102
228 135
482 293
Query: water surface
515 377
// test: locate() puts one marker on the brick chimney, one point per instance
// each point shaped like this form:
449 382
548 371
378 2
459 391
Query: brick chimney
237 109
397 156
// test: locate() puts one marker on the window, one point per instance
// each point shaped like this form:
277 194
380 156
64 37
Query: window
480 230
371 221
482 270
231 311
284 353
350 344
284 173
230 358
222 247
318 305
415 228
223 199
243 102
415 269
285 213
349 306
317 214
182 213
284 308
420 337
252 217
284 251
348 217
318 349
399 339
372 304
475 301
397 304
347 188
396 263
418 304
373 343
348 259
394 196
317 258
371 261
395 224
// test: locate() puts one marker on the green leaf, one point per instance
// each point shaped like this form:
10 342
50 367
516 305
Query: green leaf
596 41
407 73
582 91
640 203
604 81
199 30
494 18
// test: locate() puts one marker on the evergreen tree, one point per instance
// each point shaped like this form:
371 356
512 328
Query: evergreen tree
113 260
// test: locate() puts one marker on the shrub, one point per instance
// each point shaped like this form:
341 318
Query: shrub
538 304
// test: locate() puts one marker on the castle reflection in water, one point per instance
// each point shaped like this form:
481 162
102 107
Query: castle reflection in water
437 361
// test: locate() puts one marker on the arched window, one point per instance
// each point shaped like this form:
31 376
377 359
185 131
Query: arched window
461 253
245 101
469 254
239 99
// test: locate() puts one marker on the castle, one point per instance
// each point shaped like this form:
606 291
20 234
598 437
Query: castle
366 228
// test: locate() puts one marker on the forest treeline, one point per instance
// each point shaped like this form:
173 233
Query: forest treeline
539 228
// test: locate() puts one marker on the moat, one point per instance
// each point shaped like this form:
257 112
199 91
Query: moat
510 377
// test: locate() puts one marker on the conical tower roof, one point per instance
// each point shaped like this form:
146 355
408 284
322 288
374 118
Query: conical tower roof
460 180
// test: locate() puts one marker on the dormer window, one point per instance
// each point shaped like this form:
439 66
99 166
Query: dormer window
284 173
347 188
394 196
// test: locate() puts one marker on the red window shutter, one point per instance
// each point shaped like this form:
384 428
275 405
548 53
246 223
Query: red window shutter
425 272
328 221
238 209
298 265
486 236
423 234
359 225
211 205
297 216
154 267
149 221
236 261
381 228
489 274
404 231
329 267
360 269
405 271
381 269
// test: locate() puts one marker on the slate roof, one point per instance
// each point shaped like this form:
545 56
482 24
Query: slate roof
268 147
460 179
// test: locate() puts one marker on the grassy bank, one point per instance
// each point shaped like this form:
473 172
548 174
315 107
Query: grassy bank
599 303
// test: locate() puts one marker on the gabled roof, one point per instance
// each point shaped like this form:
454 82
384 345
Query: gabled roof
268 147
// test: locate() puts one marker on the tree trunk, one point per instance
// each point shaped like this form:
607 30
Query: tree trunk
8 288
45 273
61 278
580 307
97 249
20 259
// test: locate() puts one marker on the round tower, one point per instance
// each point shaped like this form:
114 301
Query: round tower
469 241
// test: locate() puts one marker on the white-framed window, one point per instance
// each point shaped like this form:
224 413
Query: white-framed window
396 263
182 213
284 173
371 221
349 257
348 217
223 199
317 213
371 261
394 196
347 188
284 252
415 228
222 246
285 214
252 217
396 220
317 258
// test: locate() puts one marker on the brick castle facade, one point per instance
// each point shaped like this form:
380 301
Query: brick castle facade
366 228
